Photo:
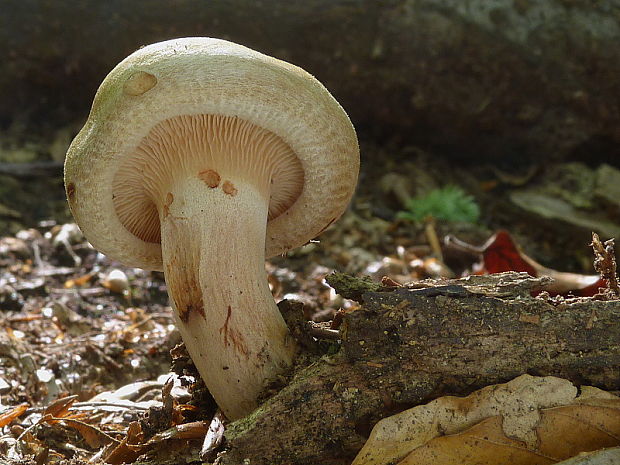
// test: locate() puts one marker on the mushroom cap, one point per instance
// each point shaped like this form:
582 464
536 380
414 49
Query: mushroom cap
198 76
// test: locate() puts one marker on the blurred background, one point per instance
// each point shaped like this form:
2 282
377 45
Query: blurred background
515 101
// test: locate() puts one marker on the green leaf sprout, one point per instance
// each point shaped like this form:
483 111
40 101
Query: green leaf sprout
450 203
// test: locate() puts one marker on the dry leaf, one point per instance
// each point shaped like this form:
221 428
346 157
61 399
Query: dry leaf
7 417
60 407
529 420
194 430
129 448
93 436
599 457
80 281
483 444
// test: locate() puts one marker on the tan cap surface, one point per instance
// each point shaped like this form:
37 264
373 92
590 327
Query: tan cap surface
203 76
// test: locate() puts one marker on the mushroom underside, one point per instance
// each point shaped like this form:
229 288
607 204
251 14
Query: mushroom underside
205 186
219 150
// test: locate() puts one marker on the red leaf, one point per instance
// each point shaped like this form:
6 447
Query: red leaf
500 254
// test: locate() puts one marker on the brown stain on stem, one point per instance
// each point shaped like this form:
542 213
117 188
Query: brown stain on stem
167 203
181 271
233 336
185 293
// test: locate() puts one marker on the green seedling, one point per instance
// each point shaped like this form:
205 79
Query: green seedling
450 203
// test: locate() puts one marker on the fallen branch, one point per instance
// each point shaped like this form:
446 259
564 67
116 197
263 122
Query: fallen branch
406 346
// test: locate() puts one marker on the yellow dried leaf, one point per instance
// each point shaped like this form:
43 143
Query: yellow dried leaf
530 420
564 432
483 444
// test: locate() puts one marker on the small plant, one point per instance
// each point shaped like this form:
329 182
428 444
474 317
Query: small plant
450 203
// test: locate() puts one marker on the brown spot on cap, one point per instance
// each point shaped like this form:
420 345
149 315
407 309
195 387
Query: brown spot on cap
139 83
70 191
229 188
210 177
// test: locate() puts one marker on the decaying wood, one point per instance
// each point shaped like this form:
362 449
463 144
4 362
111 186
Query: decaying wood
605 264
405 346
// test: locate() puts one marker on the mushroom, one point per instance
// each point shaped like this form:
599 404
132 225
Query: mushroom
201 158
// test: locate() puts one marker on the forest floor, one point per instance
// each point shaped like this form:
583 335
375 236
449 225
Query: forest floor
87 345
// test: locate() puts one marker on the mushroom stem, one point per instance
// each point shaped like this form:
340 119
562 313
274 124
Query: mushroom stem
213 248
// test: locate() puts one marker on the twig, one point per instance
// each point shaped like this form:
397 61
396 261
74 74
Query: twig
605 263
433 240
38 263
107 404
33 426
140 323
456 244
214 436
322 331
